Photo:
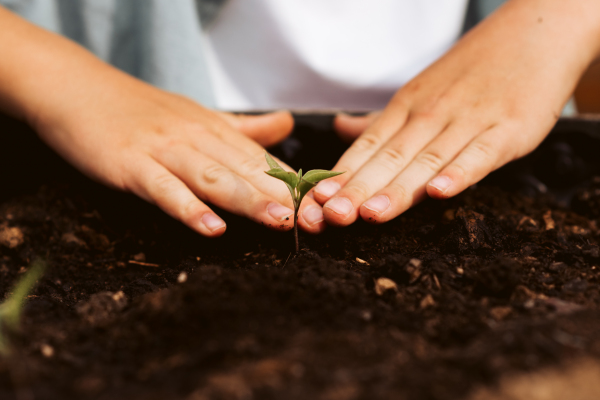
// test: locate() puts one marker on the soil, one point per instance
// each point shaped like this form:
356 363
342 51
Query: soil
493 294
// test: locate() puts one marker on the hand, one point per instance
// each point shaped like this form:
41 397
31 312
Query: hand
174 153
134 137
491 99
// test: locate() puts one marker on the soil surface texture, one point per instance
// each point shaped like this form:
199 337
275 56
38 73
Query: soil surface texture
494 294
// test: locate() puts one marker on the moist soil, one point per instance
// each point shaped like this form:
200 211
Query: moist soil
447 301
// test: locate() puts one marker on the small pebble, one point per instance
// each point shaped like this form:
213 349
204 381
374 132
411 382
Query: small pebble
427 301
182 277
460 270
120 298
500 313
550 224
415 262
366 315
71 238
382 285
47 350
11 237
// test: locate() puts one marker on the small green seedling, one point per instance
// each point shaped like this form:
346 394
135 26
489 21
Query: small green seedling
298 185
11 308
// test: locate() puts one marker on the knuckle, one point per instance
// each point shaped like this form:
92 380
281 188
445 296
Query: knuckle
482 150
460 170
164 184
367 142
399 191
392 157
215 174
165 149
255 204
423 115
250 165
190 209
359 189
433 111
431 160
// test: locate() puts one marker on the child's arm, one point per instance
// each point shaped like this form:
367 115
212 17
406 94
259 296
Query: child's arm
491 99
134 137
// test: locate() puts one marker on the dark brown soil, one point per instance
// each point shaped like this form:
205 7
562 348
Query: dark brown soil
487 285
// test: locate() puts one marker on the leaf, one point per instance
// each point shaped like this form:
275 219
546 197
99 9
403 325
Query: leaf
10 309
289 178
317 175
303 188
272 163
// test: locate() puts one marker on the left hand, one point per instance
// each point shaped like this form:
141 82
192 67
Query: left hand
491 99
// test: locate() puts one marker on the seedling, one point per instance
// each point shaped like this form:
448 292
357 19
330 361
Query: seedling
11 308
298 185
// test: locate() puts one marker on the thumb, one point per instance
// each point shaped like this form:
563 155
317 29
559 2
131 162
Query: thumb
349 127
265 129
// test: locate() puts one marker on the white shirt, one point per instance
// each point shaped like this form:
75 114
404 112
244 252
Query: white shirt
333 54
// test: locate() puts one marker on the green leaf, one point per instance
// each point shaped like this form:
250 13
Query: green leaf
289 178
298 184
272 163
317 175
10 309
303 188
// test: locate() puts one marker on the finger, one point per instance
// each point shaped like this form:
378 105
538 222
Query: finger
219 185
252 169
266 129
349 127
310 216
158 186
409 186
363 148
484 154
343 208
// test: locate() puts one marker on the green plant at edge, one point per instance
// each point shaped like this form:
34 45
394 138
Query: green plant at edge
298 185
12 307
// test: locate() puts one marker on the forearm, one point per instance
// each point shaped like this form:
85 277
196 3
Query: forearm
43 74
568 32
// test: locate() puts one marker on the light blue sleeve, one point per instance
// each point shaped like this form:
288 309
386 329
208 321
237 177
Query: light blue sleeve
158 41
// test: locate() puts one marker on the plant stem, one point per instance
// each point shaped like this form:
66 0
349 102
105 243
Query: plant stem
296 230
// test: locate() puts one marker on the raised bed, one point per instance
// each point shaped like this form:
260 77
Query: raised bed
495 292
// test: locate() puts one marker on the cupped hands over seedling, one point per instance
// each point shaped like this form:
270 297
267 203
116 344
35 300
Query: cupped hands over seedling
298 185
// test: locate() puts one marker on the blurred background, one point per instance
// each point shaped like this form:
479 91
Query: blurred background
587 94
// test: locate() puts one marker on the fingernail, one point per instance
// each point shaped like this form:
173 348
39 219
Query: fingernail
340 205
313 215
212 222
327 188
441 182
278 211
378 204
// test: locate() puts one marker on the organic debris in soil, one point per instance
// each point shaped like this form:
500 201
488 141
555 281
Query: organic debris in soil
449 299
